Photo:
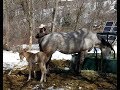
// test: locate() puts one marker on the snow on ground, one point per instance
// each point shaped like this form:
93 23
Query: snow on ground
9 59
98 50
59 55
34 46
115 48
12 60
9 56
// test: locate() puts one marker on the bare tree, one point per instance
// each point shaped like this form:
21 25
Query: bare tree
54 16
45 3
32 21
28 10
79 10
7 22
31 13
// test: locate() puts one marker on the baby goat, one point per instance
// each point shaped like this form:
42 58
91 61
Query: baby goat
39 58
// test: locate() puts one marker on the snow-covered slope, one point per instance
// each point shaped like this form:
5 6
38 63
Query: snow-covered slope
11 59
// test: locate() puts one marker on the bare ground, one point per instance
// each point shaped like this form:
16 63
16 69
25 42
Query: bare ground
60 79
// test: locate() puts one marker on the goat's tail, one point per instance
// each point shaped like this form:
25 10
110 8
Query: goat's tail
40 47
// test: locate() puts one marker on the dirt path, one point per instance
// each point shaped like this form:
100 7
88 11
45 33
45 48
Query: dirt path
60 79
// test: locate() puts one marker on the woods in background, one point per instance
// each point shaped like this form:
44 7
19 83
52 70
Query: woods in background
21 18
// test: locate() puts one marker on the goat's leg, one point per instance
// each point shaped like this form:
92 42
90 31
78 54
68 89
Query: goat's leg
43 71
47 64
77 67
30 68
29 75
76 63
34 67
34 74
49 59
82 57
44 77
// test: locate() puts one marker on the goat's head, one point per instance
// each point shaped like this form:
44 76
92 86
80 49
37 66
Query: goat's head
106 52
106 43
106 49
22 53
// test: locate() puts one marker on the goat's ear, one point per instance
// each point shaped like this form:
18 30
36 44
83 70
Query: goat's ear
26 49
99 37
110 45
103 40
18 48
106 43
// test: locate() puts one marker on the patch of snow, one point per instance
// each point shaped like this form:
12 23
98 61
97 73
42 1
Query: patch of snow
7 66
24 46
99 51
59 55
52 88
66 68
115 48
11 60
92 51
10 57
20 64
34 46
34 51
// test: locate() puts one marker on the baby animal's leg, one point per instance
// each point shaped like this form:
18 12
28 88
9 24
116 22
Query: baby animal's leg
43 71
30 69
34 74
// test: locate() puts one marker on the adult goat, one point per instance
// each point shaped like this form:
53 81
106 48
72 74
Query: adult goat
80 41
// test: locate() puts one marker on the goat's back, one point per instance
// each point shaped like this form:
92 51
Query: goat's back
68 42
41 57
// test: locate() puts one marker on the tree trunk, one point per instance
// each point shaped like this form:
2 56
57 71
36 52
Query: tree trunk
7 22
77 19
28 9
31 21
54 16
30 41
45 3
79 8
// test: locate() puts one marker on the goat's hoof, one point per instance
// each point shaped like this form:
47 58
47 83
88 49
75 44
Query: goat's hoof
44 80
77 73
28 80
41 82
42 86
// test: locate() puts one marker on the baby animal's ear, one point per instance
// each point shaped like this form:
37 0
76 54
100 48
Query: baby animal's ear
26 49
